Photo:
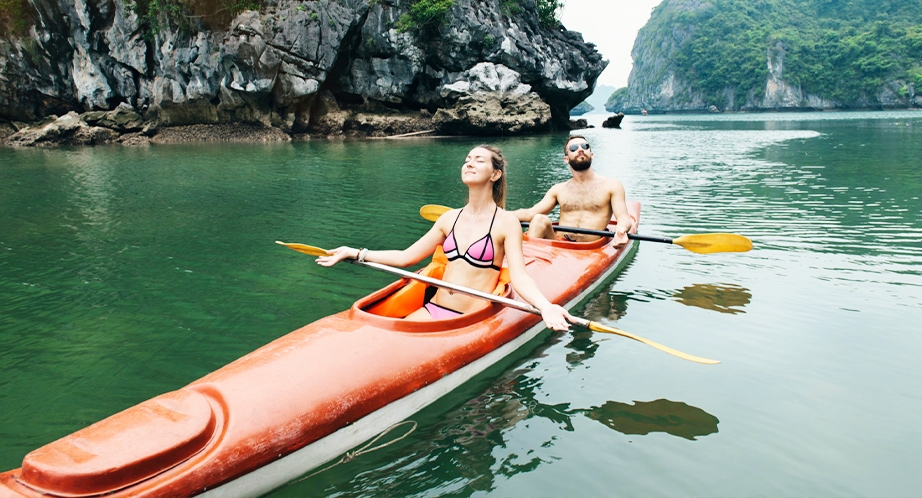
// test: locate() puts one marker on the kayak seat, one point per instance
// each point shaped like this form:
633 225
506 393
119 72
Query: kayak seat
412 296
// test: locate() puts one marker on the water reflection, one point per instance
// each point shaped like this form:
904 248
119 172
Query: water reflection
724 298
501 407
661 415
583 347
610 305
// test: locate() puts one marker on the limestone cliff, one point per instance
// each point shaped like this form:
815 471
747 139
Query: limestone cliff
741 55
319 67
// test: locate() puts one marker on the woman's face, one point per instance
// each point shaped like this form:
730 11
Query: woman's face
478 167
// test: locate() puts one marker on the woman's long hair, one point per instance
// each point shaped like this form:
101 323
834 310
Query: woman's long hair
499 163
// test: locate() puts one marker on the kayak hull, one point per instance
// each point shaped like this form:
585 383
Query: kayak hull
306 398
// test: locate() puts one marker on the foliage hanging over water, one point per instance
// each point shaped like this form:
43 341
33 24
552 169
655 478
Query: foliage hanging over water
843 50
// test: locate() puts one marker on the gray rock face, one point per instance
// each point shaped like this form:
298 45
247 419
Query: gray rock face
319 67
69 129
490 99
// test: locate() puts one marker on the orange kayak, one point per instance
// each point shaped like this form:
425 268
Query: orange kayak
306 398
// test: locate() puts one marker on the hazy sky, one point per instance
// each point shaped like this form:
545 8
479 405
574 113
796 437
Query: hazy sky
612 26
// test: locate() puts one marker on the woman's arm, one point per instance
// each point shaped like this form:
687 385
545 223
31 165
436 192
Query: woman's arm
555 317
419 250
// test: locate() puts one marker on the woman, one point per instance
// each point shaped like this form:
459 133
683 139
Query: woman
475 239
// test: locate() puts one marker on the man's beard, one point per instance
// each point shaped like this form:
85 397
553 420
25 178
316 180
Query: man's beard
581 163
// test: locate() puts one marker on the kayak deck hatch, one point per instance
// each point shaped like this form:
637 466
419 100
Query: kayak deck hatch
120 451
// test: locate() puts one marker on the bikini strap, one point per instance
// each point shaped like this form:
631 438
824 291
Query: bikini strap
456 220
491 221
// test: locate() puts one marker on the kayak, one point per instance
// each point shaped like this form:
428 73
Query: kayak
310 396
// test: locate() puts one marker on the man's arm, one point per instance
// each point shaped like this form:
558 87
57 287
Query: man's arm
619 209
544 206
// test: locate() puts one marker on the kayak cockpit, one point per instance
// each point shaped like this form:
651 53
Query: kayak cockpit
388 307
567 244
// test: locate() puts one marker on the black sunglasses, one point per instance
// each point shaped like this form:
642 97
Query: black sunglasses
575 147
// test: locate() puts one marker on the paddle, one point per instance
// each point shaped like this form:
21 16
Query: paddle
316 251
702 243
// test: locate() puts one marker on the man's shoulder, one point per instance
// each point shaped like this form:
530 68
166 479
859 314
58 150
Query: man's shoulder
557 187
609 181
598 182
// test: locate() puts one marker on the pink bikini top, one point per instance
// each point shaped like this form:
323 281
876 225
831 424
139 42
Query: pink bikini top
479 254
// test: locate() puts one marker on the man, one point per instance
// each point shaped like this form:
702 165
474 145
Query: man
587 200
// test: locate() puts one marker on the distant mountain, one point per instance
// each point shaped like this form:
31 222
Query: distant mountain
582 108
595 102
599 97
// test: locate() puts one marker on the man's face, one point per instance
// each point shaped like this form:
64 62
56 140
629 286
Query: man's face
579 155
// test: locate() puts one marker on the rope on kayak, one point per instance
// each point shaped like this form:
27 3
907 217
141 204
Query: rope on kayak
350 455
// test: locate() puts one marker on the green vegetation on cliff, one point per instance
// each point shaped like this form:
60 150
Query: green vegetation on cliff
424 14
15 18
153 13
548 11
842 50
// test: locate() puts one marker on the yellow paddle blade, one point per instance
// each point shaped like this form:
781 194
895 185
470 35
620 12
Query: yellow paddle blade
306 249
432 212
685 356
706 243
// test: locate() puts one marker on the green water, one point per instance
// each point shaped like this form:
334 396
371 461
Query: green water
129 272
